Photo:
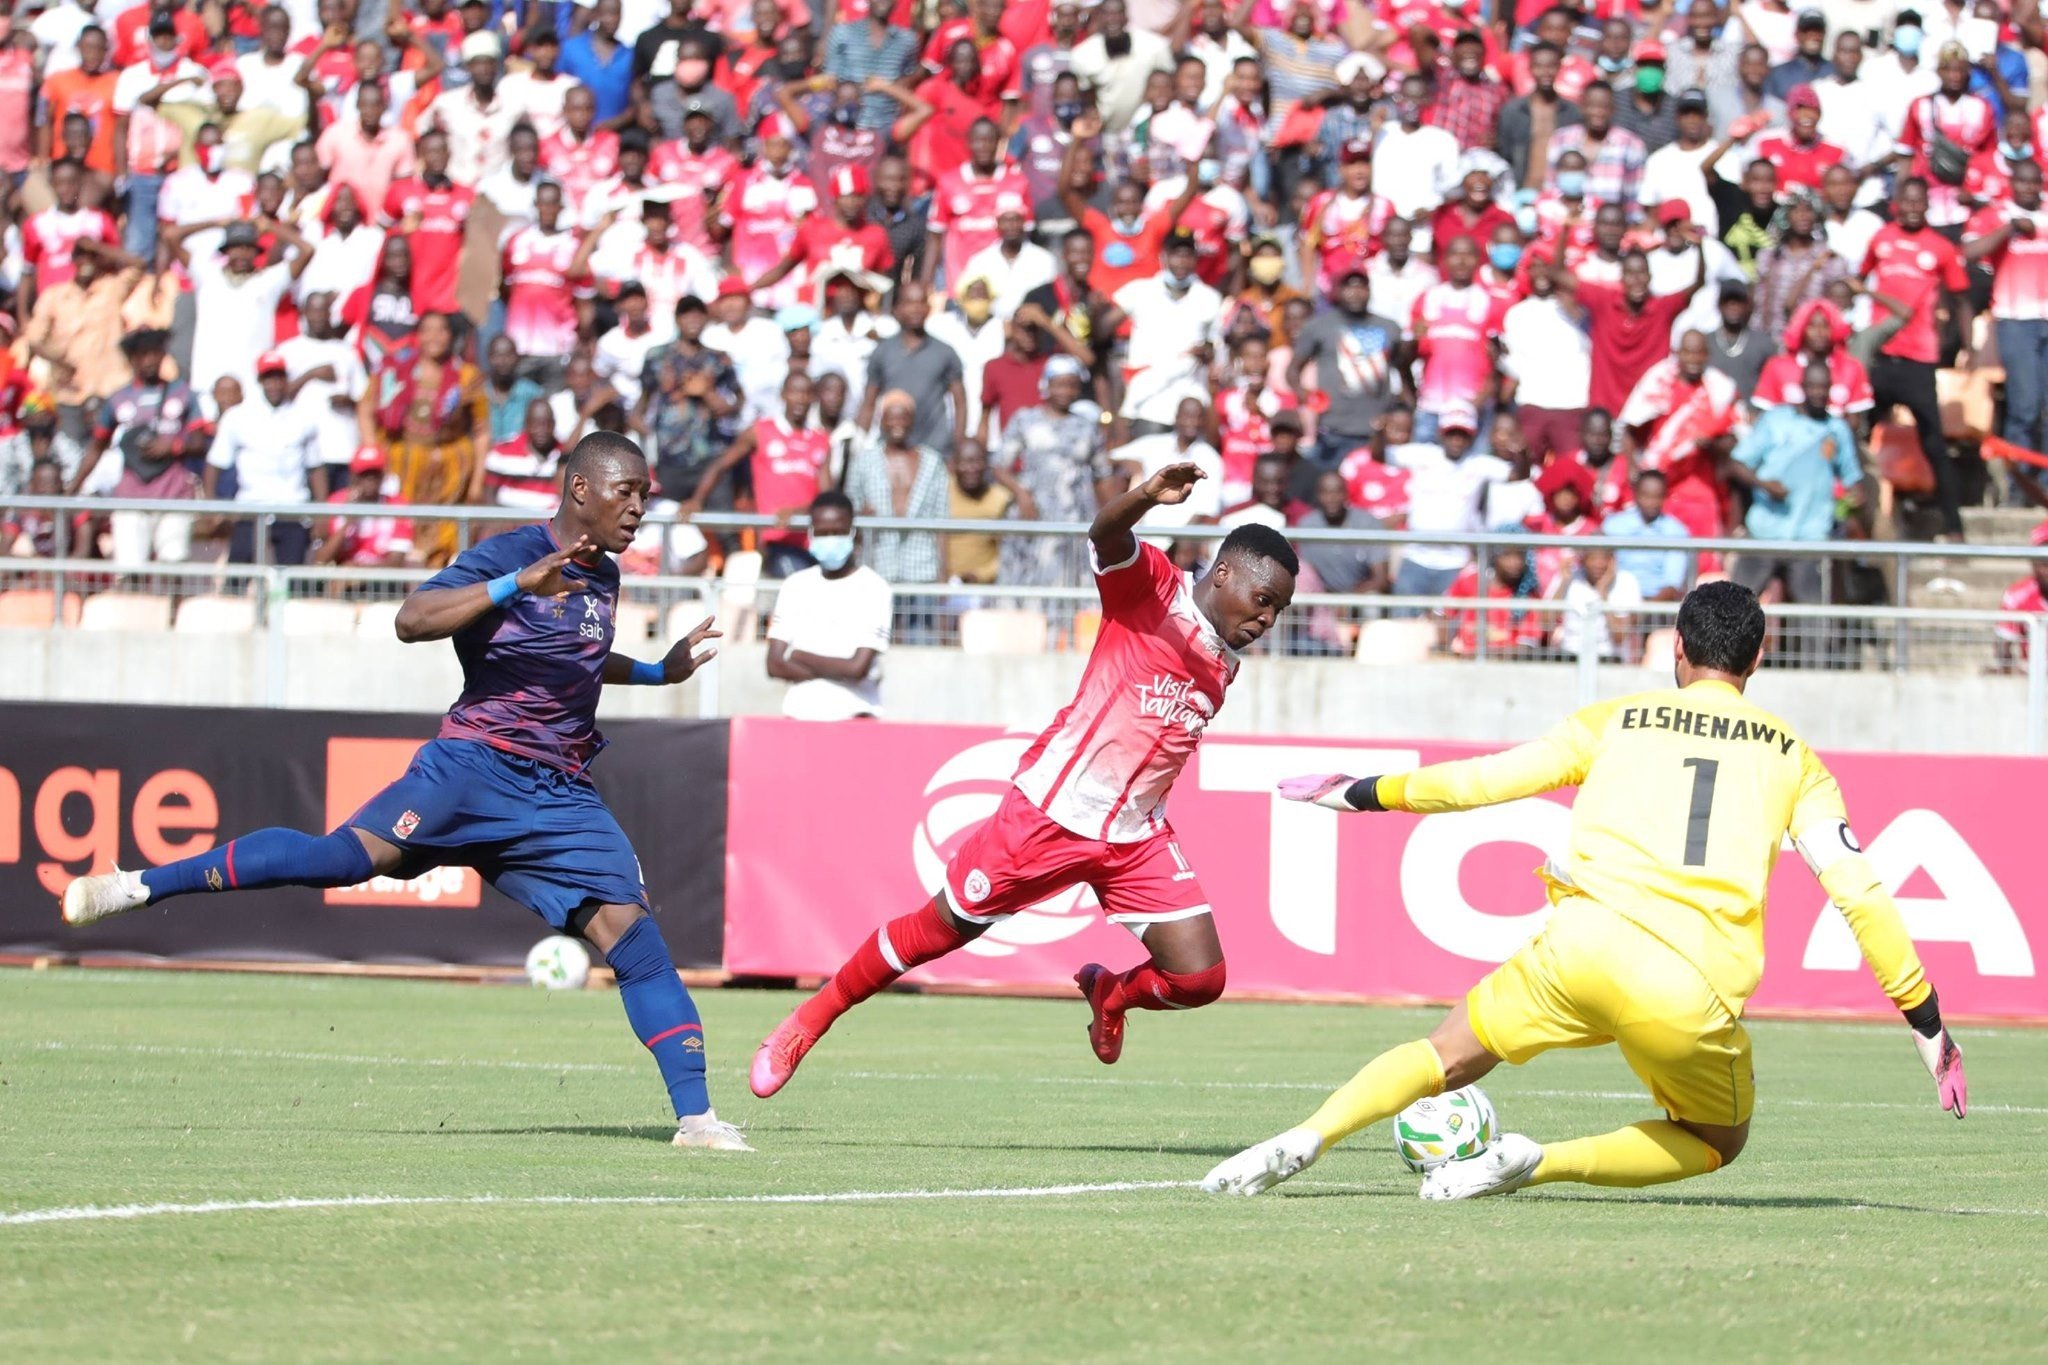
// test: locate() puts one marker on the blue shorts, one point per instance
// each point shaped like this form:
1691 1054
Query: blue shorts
541 836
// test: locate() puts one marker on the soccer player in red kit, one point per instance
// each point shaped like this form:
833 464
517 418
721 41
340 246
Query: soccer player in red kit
1088 801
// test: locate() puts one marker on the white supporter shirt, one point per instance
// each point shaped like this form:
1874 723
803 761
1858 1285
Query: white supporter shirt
834 618
1010 280
477 134
234 321
341 265
271 87
1165 331
620 359
192 196
1394 292
1672 172
1549 356
1577 636
844 348
975 349
270 450
1445 495
1850 237
1105 765
339 434
760 354
1154 453
538 100
1414 170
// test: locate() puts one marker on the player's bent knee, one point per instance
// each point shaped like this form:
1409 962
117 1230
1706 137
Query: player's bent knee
1726 1140
1192 990
606 926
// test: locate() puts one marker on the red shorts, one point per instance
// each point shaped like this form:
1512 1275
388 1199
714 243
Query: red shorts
1018 857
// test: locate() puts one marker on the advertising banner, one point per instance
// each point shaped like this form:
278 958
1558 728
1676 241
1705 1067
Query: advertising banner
1311 902
86 788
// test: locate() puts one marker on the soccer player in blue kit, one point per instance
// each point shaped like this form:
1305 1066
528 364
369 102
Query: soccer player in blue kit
505 787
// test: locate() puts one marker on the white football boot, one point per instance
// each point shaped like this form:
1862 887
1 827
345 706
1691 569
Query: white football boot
1259 1168
1503 1168
110 893
710 1133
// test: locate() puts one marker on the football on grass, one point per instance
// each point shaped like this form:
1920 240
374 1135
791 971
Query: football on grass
1447 1127
559 963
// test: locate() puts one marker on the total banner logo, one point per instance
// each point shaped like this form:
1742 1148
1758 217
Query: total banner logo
1310 902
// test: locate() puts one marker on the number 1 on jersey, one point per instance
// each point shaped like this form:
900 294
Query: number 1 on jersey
1704 771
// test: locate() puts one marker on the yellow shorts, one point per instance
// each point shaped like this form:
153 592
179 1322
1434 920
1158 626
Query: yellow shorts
1594 977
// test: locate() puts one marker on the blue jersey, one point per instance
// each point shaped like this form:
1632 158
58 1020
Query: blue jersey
532 670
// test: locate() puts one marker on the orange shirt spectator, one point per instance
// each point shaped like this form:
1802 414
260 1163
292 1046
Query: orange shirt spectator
91 97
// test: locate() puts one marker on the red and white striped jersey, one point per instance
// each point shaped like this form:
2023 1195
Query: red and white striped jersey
1155 680
515 476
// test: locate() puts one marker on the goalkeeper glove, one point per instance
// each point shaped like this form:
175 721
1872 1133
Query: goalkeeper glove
1333 791
1944 1060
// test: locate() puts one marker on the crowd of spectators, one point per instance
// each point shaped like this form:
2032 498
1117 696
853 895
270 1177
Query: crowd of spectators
1441 265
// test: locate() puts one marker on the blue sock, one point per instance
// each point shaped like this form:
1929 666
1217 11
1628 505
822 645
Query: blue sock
269 857
662 1013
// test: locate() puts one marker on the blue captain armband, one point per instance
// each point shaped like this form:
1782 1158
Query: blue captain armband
504 589
645 674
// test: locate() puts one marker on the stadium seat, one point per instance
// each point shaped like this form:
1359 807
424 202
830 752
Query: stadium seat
1002 630
317 616
125 611
32 608
635 622
1406 641
376 621
738 613
683 618
211 615
1660 651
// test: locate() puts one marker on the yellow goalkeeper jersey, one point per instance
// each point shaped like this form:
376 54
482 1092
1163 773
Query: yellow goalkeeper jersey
1685 797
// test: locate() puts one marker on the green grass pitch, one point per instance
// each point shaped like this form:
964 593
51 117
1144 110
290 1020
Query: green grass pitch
536 1211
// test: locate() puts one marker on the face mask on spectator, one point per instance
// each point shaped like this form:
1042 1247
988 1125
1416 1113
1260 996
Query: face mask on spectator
213 160
1066 111
846 115
1906 41
1650 80
832 552
1269 269
1612 64
2023 152
976 310
1118 45
1505 256
1571 184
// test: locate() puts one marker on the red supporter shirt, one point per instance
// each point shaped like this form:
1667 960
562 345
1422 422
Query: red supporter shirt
436 242
580 165
788 466
540 293
1156 678
1504 627
1347 233
2024 595
1626 344
1453 331
1119 259
1451 222
131 35
1782 381
707 175
940 146
1381 489
2019 265
1798 166
963 210
1913 267
824 240
50 238
368 541
1002 74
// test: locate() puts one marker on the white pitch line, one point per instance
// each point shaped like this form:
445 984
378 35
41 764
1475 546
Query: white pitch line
921 1078
90 1213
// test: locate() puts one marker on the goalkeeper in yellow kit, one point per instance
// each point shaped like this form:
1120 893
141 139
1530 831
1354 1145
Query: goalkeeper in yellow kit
1655 942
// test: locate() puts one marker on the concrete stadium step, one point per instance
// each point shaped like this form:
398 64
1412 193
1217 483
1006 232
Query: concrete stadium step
2001 525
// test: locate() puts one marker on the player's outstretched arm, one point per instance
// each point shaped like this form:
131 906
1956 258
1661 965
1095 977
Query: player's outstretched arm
1820 831
683 659
1558 759
1111 533
432 613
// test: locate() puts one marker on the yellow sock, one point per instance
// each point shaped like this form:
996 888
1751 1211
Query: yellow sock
1640 1154
1384 1087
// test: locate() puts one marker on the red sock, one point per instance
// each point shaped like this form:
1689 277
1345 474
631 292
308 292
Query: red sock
1146 987
890 951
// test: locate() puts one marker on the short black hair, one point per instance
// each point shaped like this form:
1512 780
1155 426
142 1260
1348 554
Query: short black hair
1255 540
1644 476
599 447
829 500
1722 627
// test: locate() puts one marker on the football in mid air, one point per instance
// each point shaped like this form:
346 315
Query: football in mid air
559 963
1447 1127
